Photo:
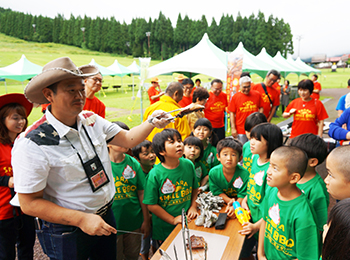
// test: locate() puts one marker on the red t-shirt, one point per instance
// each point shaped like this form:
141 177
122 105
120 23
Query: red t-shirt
185 101
6 210
317 85
152 91
215 108
277 87
306 116
244 105
96 106
273 93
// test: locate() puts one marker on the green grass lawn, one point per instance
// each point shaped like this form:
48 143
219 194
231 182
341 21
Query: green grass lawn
120 103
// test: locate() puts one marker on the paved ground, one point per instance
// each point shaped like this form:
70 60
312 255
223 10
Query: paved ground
330 106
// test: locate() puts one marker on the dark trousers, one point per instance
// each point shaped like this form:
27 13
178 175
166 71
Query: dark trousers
220 132
60 242
19 230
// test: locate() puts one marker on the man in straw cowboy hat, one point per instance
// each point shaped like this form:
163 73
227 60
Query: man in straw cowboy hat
62 169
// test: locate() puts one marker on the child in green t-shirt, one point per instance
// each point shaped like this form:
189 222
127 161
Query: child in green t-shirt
228 179
251 121
145 155
193 150
288 229
312 185
264 139
129 211
338 167
204 131
171 185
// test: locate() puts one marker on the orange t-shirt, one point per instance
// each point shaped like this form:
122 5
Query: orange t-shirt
244 105
215 108
152 91
96 106
306 116
185 101
273 93
317 85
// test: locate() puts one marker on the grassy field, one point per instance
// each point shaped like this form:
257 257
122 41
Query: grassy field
122 104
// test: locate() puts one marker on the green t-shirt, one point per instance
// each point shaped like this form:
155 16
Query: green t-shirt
291 230
237 187
209 157
172 190
128 179
316 191
201 171
256 187
247 156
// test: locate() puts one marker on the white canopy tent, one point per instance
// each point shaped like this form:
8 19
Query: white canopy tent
305 66
204 58
20 70
103 70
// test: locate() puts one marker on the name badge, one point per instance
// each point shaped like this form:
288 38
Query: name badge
95 173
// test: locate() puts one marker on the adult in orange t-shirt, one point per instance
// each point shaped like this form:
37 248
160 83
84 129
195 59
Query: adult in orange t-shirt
317 87
269 109
215 108
154 91
309 113
187 97
242 104
93 85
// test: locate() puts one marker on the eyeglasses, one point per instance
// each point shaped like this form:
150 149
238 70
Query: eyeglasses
97 80
272 80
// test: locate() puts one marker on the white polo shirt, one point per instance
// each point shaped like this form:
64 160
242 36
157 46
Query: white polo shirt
43 159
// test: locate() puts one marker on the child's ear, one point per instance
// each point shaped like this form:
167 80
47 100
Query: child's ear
162 153
218 156
294 178
313 162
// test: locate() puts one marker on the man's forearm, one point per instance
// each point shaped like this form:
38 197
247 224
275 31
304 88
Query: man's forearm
272 112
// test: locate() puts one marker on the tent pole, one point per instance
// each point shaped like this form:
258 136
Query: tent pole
133 94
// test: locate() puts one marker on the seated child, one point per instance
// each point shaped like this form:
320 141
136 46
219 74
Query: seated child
171 185
193 151
145 155
204 131
129 211
288 229
251 121
228 179
338 167
336 234
312 185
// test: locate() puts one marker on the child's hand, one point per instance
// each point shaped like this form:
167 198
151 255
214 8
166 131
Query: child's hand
249 228
192 213
146 228
292 111
177 220
230 211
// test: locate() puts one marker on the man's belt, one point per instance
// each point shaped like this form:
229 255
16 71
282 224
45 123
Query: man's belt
103 210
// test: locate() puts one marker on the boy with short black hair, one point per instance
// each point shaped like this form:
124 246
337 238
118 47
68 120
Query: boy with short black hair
171 185
145 155
228 179
288 229
338 167
129 211
311 184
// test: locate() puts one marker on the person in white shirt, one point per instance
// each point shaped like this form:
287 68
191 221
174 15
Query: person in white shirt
62 171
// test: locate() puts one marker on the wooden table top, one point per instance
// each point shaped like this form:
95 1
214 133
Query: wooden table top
233 247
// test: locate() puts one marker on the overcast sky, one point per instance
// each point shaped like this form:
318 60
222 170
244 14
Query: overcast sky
322 24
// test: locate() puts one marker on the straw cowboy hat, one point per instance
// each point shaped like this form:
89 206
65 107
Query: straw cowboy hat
155 79
180 77
53 72
16 98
